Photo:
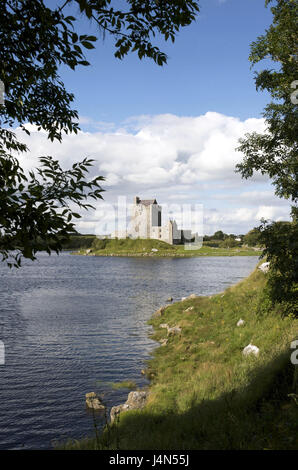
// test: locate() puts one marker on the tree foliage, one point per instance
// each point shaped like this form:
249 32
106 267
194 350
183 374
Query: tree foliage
35 212
252 238
281 250
229 242
275 152
35 41
219 235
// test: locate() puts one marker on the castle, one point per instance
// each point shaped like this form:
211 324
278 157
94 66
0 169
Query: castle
146 222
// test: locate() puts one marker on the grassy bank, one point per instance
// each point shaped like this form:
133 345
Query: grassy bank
204 393
144 247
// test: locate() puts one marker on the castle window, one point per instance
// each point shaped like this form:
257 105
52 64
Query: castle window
159 219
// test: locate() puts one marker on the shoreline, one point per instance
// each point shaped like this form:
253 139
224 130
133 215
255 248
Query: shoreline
199 362
172 255
160 312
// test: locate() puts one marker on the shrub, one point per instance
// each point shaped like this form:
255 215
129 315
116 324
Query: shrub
280 240
252 238
99 244
229 243
212 243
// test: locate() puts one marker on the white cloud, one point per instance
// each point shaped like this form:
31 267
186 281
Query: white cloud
157 149
241 219
169 157
252 198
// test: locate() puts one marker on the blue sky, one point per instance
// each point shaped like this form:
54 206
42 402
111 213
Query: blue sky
207 70
170 132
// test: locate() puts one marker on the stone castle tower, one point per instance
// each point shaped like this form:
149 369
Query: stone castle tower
146 222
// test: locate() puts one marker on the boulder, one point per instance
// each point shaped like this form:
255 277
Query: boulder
189 309
264 267
176 330
250 349
192 296
135 401
170 299
159 312
164 342
116 410
240 322
92 401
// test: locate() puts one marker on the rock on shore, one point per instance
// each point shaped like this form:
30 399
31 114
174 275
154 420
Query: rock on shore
135 401
92 401
264 267
159 312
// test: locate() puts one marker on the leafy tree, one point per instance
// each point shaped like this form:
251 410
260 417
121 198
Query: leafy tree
35 40
35 212
281 250
219 235
229 242
275 152
252 238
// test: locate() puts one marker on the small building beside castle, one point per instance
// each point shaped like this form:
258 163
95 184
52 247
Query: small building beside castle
146 222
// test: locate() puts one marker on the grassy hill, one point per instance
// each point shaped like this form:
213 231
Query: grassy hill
204 393
144 247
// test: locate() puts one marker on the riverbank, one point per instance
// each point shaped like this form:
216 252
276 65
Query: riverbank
204 393
156 248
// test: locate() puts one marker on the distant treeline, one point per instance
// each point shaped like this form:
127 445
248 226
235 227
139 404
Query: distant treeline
79 241
218 240
223 240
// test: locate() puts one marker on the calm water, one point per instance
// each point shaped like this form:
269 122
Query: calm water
70 324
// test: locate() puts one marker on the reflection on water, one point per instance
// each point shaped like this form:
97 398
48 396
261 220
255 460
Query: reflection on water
72 323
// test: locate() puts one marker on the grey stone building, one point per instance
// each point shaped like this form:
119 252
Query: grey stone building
146 222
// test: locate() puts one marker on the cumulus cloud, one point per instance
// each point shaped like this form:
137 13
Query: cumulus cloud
155 150
166 156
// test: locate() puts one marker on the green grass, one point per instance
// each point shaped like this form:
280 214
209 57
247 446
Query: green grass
204 393
143 247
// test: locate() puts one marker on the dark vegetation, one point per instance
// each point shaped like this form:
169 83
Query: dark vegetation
37 38
275 152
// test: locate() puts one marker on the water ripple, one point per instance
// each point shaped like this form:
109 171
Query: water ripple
72 324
